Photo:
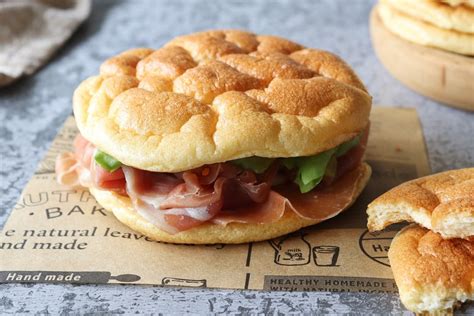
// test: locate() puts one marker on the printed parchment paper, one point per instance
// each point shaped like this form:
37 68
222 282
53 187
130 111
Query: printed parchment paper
60 235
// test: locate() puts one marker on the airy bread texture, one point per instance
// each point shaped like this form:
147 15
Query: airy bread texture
414 29
208 233
217 96
459 18
432 274
454 3
442 202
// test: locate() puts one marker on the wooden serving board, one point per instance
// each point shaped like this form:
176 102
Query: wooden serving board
443 76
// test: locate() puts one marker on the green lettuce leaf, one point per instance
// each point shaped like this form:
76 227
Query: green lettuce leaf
255 163
290 163
312 169
331 168
106 161
343 148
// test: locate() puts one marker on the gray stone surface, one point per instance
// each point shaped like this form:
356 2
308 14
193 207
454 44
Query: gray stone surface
32 111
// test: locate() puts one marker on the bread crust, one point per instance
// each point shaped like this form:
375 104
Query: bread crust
442 202
454 3
456 18
418 31
432 274
208 233
217 96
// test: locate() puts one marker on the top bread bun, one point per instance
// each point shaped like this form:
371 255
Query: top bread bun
220 95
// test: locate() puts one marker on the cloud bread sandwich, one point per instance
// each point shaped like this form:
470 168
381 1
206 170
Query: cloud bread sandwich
448 26
221 137
432 274
443 203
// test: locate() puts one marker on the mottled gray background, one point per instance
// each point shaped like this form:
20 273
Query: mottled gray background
33 109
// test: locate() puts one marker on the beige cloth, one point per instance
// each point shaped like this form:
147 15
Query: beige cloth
32 30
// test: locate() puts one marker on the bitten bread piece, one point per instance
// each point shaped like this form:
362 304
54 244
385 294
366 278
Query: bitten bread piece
217 96
442 202
432 274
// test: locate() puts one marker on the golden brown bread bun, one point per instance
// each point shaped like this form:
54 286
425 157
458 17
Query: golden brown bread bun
208 233
217 96
432 274
442 202
417 30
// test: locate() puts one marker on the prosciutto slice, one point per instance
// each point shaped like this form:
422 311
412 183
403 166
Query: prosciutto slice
319 204
175 205
258 213
322 203
79 169
148 190
220 193
66 170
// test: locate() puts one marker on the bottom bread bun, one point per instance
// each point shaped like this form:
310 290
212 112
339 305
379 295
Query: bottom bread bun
432 274
209 233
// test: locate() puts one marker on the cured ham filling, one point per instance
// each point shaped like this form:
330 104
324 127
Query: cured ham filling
220 193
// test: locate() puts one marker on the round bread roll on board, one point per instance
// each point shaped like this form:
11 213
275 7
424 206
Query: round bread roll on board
443 203
432 18
468 3
433 274
432 60
221 137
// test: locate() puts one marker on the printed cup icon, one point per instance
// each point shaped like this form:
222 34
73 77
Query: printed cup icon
325 256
